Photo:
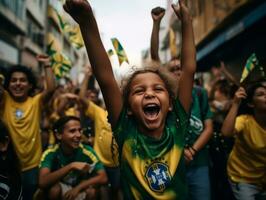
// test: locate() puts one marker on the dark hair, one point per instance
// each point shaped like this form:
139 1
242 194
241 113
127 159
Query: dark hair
160 71
224 87
11 162
23 69
59 125
244 107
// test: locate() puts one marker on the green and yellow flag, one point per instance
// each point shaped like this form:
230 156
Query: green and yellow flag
172 43
251 63
75 37
122 57
60 63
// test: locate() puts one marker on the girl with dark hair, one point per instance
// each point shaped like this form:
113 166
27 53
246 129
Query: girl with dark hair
246 165
10 182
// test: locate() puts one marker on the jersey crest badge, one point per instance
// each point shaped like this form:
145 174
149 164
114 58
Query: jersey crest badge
18 113
158 176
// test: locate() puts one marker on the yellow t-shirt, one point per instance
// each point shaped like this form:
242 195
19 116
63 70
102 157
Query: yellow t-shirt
23 122
103 136
247 161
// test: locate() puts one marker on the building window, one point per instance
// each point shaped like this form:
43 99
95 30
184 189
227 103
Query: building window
35 32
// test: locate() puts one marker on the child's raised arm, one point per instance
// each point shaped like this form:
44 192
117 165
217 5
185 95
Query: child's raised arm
188 55
228 127
157 15
82 13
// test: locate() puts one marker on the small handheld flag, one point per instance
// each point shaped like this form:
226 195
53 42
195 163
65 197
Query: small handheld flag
122 57
251 63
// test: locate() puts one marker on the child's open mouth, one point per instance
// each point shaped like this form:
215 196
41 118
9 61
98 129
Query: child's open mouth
151 110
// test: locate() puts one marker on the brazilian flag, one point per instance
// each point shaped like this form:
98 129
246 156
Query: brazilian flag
122 57
60 63
251 63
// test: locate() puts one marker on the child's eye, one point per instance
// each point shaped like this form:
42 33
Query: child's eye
159 89
138 91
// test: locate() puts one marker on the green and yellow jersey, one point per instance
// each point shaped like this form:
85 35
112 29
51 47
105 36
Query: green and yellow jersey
54 158
153 168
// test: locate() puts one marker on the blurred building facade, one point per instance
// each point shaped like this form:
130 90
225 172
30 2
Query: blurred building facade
225 30
27 27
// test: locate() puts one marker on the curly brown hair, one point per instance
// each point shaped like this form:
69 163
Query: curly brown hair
162 72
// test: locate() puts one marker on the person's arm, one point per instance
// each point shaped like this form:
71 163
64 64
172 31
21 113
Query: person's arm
228 127
202 140
85 81
204 136
48 178
99 179
82 13
50 84
157 15
188 55
228 75
62 103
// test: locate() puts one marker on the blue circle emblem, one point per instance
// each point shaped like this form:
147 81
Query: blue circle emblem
158 176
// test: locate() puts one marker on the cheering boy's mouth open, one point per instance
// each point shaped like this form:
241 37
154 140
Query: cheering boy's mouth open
151 110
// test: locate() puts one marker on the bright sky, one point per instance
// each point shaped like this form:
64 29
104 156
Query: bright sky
128 20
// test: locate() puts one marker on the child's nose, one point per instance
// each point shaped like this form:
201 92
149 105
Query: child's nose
149 93
78 133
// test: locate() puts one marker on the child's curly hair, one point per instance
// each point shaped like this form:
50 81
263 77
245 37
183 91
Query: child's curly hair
162 72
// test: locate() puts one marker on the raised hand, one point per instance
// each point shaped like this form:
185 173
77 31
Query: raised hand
157 13
44 59
80 10
181 11
239 95
87 70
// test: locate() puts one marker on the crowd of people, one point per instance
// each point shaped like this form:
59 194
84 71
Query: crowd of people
160 135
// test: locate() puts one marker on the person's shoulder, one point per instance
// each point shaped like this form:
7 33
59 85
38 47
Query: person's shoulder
85 147
51 150
88 151
244 119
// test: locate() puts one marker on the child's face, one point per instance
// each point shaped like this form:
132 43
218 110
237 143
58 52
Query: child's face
19 85
71 136
149 101
259 98
174 68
